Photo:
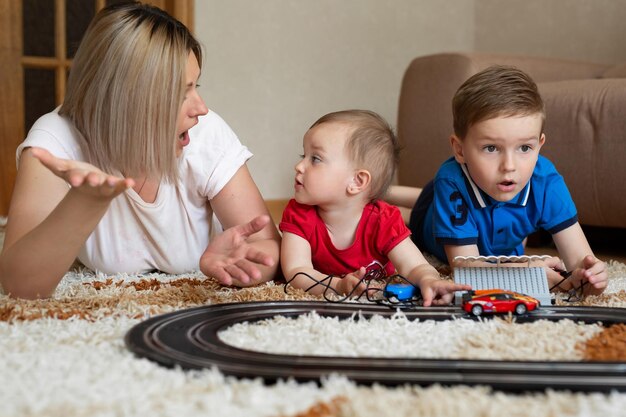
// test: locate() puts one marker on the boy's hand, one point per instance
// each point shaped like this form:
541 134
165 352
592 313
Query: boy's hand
437 291
553 266
594 272
586 268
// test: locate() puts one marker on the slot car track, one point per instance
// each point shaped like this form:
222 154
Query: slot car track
188 338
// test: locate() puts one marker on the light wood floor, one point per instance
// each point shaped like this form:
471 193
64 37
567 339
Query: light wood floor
276 208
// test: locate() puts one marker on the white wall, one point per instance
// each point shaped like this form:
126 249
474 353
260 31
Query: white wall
590 30
272 67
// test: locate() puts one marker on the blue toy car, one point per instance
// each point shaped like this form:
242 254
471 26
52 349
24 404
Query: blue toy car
401 292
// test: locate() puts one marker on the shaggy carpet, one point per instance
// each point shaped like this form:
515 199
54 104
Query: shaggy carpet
65 356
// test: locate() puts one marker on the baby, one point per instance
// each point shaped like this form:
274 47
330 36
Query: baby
337 225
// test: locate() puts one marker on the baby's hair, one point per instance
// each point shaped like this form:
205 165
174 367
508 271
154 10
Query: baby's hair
497 91
126 86
372 145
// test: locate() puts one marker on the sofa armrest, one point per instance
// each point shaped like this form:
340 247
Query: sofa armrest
541 69
586 140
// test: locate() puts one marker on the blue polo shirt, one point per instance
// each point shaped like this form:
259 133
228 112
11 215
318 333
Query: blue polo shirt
460 213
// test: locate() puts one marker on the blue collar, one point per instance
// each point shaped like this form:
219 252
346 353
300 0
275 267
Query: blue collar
482 199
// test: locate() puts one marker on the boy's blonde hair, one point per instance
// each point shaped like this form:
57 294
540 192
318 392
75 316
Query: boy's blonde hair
372 145
126 87
498 91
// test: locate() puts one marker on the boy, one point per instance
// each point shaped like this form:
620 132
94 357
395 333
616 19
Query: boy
336 225
497 189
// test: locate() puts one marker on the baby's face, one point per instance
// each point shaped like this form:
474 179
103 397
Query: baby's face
325 171
501 153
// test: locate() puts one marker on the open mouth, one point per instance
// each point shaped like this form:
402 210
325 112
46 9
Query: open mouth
184 138
506 186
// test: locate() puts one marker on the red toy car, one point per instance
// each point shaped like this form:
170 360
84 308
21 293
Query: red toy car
498 301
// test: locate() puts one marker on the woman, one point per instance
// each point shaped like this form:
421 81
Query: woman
127 174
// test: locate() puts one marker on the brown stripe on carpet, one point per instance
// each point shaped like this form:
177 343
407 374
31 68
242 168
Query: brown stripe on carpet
608 345
330 408
136 299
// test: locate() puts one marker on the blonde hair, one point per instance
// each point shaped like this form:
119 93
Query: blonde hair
372 145
126 87
497 91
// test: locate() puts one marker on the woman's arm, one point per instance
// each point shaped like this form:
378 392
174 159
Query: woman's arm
49 222
247 252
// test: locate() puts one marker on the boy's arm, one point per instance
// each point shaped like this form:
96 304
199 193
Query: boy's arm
296 260
452 251
404 198
578 258
410 263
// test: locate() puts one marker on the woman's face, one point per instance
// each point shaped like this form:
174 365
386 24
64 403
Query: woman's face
193 106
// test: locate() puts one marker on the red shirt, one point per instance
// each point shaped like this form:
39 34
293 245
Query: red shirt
380 229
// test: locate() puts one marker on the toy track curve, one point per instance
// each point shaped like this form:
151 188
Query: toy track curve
188 338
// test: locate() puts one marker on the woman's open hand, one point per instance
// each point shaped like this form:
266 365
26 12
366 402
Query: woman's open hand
83 176
231 259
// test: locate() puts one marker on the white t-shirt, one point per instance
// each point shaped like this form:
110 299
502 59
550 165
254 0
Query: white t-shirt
170 234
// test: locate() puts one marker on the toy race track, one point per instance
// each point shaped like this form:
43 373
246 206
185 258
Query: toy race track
188 338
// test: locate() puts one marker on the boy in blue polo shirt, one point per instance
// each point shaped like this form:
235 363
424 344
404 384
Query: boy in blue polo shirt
497 189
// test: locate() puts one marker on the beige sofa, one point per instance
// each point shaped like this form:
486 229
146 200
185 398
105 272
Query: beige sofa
585 126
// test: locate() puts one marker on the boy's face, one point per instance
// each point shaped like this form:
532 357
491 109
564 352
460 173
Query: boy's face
501 153
325 171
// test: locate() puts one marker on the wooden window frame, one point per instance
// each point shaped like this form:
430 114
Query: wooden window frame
12 66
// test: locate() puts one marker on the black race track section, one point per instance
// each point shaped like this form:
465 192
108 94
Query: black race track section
188 338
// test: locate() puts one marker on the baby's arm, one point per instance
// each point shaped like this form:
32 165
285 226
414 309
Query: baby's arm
578 258
411 264
299 272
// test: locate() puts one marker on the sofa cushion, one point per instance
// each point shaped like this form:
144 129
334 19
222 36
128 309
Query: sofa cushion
586 138
616 71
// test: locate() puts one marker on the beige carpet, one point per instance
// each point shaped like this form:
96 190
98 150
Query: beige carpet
65 356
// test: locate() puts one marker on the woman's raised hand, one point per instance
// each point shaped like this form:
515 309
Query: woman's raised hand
83 176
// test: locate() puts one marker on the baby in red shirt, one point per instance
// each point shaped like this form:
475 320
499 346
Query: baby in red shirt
337 225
